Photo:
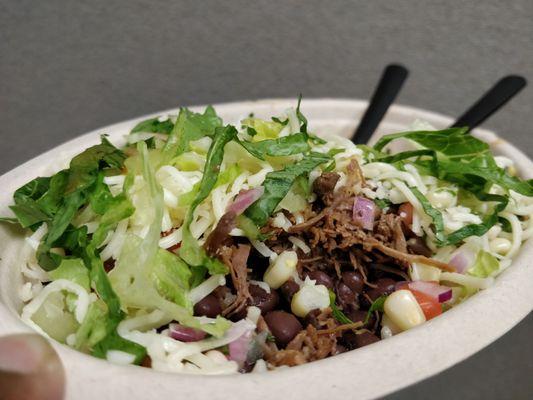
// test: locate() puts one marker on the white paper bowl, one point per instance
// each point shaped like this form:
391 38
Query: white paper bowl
369 372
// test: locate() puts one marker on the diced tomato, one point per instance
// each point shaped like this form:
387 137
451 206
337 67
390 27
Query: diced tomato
429 305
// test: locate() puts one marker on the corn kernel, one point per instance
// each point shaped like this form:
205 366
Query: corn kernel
309 297
500 245
281 269
422 272
403 310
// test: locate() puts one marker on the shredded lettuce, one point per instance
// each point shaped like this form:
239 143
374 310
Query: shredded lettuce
190 251
148 277
455 156
54 317
462 159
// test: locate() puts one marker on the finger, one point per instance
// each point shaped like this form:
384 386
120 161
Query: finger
30 369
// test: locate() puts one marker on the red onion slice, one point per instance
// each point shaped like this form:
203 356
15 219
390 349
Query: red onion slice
184 333
432 289
245 199
364 212
463 258
238 349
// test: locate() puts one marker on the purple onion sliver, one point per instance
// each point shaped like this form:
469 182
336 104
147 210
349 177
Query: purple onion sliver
245 199
445 296
184 333
364 212
238 349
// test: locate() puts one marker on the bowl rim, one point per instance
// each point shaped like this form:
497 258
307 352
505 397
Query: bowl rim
404 359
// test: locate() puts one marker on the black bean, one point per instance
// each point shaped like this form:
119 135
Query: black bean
417 245
321 278
385 286
365 338
312 318
360 316
354 280
345 296
284 326
209 306
262 299
289 289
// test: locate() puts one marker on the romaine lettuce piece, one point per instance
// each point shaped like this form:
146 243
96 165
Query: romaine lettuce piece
74 270
485 265
94 326
54 318
146 277
264 130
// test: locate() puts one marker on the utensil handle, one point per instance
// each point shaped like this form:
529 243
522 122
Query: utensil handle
503 91
388 88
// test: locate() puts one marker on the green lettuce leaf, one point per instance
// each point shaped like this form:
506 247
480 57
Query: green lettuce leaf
93 328
261 130
139 285
457 157
278 183
462 159
153 125
54 317
485 265
72 269
38 200
85 167
283 146
74 187
148 277
190 250
172 276
189 127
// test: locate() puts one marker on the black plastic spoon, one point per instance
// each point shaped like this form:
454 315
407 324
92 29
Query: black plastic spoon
495 98
388 88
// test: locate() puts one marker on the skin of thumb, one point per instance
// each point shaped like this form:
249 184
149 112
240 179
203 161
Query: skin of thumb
30 369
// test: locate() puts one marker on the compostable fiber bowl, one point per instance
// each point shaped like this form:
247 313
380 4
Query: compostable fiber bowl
403 359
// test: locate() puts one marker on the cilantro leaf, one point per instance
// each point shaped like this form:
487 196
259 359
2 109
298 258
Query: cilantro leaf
337 314
377 305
